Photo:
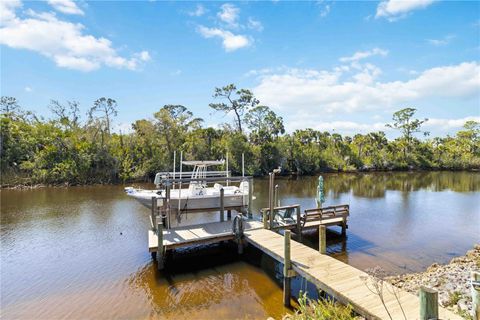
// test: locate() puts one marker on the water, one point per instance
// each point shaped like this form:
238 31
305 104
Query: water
81 252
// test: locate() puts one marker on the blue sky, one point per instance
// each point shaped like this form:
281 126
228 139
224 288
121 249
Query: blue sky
330 65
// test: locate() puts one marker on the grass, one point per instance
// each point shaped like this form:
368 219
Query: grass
324 309
453 298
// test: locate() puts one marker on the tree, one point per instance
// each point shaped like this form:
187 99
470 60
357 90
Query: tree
264 124
173 122
243 101
8 104
404 122
68 115
107 108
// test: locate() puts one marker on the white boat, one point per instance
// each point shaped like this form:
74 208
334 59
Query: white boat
198 195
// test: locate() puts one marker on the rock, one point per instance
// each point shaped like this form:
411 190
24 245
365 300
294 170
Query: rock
448 280
462 304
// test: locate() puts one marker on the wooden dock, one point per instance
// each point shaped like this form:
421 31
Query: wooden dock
342 281
198 234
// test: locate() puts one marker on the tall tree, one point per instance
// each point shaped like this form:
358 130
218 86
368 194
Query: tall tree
264 123
238 101
173 122
407 125
106 108
8 105
68 115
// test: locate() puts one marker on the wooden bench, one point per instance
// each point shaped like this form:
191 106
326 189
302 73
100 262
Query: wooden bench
331 215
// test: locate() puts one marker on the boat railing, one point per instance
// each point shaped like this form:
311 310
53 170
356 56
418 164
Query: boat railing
177 175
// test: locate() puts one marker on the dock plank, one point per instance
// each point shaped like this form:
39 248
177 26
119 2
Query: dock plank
198 234
340 280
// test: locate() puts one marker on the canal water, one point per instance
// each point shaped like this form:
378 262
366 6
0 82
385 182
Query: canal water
81 252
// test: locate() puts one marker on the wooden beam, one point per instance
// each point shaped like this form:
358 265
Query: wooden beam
287 266
322 239
222 208
160 246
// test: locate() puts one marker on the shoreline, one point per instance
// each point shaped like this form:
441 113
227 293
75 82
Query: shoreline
30 186
452 281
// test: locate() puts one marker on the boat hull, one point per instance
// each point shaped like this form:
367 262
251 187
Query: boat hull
186 203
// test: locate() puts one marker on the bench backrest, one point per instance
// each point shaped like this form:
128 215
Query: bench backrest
326 212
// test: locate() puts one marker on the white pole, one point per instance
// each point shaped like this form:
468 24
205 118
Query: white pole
174 154
243 164
180 189
227 168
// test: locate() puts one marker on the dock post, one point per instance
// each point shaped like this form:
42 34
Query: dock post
160 245
222 208
275 201
154 213
229 214
167 207
344 224
428 303
322 239
250 198
287 266
265 219
475 283
299 225
270 199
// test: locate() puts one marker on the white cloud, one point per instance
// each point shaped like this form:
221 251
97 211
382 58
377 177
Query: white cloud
449 123
359 55
348 127
254 24
28 89
198 12
396 9
324 8
230 41
353 127
176 72
66 6
357 89
144 56
441 42
62 41
122 127
229 14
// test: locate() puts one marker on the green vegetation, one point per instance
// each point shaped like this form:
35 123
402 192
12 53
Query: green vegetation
69 149
453 298
322 309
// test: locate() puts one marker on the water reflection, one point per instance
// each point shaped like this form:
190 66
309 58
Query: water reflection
81 252
210 280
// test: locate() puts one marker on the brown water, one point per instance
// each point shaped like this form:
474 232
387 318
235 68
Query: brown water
81 252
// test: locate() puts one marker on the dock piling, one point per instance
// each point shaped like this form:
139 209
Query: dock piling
160 245
299 223
428 303
270 200
344 224
475 283
229 214
287 266
322 239
154 213
250 198
222 207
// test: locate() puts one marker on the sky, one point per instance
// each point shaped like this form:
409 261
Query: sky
329 65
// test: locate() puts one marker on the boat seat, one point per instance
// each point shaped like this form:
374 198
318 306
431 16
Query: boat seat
285 216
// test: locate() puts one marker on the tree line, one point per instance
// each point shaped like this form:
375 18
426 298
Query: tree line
74 149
